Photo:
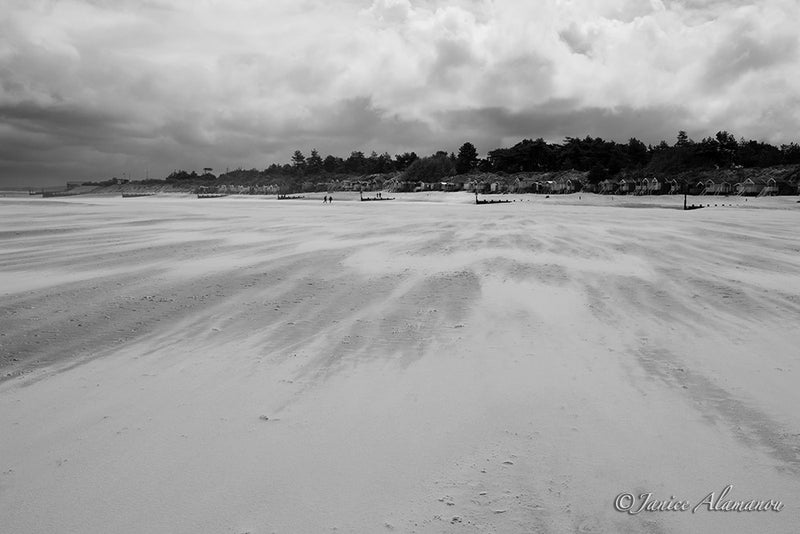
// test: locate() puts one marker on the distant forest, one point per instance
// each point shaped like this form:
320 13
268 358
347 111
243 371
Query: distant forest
601 159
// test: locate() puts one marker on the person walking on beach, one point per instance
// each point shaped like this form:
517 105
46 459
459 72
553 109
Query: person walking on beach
330 199
325 199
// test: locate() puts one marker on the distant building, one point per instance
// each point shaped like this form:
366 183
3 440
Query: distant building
525 184
626 185
608 187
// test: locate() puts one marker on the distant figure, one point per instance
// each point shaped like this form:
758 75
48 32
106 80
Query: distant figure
330 199
325 199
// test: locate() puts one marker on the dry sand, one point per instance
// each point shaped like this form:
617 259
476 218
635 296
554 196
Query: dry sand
422 365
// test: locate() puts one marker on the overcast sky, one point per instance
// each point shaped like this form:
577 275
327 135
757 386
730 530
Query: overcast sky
91 89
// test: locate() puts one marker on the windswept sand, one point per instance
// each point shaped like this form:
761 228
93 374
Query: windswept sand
246 365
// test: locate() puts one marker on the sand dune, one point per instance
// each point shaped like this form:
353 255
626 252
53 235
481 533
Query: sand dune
421 365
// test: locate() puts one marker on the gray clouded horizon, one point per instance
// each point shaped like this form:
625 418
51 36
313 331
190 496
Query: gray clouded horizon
91 89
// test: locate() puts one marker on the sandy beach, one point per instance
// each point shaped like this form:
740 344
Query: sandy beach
248 365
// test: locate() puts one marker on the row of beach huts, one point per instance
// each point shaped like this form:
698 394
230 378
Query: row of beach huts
710 186
554 185
238 189
572 182
755 182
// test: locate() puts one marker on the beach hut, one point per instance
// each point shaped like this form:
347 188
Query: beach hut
627 186
608 187
652 186
480 187
663 185
405 185
525 184
546 187
676 186
770 188
750 187
451 186
717 188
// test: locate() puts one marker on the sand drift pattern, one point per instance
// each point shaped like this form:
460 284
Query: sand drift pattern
244 366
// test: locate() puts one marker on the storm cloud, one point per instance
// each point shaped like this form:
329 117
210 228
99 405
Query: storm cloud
94 89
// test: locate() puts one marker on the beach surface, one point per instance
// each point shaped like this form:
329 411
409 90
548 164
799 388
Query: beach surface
249 365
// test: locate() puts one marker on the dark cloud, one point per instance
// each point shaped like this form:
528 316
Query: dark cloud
63 123
50 145
357 124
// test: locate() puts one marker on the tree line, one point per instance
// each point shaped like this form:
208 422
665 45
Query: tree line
604 159
601 158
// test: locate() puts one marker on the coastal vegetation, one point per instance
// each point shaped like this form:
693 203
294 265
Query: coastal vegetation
594 159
